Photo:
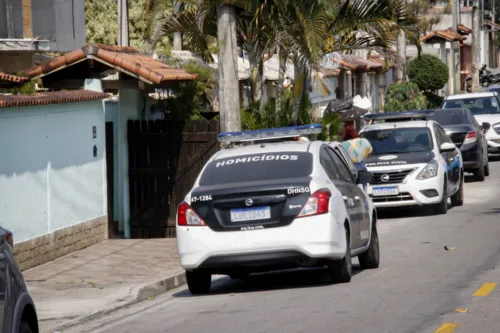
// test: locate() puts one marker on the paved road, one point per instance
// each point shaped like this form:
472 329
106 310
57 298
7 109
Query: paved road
418 287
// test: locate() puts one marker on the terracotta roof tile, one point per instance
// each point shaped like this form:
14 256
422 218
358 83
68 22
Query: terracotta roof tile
53 97
123 58
329 72
12 78
448 35
360 64
492 25
463 29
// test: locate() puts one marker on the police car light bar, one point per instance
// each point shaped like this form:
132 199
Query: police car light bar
401 116
269 133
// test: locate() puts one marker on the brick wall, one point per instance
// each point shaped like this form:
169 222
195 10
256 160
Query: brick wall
45 248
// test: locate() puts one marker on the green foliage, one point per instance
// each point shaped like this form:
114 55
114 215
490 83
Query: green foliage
404 96
27 88
435 101
428 72
101 23
257 116
191 97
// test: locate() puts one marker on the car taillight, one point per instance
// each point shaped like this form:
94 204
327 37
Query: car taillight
317 203
10 238
187 216
470 137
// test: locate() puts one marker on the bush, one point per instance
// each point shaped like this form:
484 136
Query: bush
257 116
404 96
428 72
435 101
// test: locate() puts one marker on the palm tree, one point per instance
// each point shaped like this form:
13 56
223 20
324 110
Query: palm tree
309 30
199 19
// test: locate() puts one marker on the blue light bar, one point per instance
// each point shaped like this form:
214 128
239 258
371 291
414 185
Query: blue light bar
408 115
269 133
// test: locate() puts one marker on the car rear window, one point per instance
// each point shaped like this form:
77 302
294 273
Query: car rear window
478 105
257 167
451 117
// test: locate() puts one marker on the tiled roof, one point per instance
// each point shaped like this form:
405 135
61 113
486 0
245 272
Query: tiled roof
448 35
329 72
123 58
4 77
463 29
358 63
54 97
493 26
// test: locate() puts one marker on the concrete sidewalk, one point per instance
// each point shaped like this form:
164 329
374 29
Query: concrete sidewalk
102 278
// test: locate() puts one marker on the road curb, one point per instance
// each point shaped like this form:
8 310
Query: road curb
139 294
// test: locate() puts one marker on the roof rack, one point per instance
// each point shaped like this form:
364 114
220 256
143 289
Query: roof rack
399 116
269 134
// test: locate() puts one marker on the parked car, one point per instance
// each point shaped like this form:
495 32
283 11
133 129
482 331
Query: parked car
269 205
465 132
18 314
485 107
494 88
413 161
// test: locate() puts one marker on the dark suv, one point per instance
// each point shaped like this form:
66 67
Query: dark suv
465 132
17 310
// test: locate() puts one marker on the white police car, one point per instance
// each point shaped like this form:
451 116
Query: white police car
413 162
266 203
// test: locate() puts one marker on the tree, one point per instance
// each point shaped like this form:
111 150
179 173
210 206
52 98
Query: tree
309 30
428 72
404 96
100 24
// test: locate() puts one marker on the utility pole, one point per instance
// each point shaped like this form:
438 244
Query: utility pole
453 83
123 35
476 35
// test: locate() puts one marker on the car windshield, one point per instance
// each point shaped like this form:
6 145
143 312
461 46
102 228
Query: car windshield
451 117
257 167
399 140
478 105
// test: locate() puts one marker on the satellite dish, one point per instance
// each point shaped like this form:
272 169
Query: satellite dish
331 60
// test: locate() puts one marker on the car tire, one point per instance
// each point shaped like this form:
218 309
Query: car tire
198 282
371 258
25 327
340 271
479 174
457 199
442 207
487 169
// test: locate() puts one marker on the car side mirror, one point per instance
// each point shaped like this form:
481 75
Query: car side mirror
364 177
354 174
486 127
447 147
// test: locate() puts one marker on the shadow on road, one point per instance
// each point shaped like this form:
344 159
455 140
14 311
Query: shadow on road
492 211
290 279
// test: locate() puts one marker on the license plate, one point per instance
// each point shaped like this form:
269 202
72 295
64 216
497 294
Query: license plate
250 214
383 191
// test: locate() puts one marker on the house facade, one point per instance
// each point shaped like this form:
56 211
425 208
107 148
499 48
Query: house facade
29 28
53 173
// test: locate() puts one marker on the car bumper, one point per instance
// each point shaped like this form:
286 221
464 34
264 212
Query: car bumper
309 237
494 146
413 193
471 158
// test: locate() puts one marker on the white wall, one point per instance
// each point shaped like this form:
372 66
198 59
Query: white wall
131 105
49 178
